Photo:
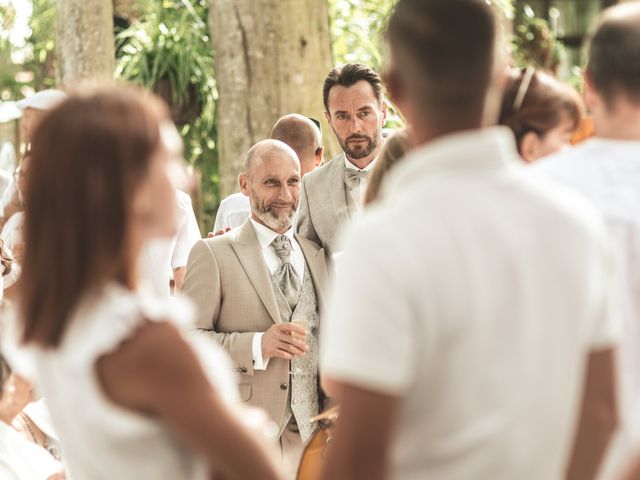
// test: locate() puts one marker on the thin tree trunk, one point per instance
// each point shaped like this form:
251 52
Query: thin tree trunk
271 58
85 40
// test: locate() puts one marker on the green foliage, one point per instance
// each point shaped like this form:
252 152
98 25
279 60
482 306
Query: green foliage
169 45
29 65
535 44
356 29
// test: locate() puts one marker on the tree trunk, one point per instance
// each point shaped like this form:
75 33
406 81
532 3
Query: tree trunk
85 40
271 58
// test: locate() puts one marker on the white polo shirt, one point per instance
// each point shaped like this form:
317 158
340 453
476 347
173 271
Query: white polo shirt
607 172
481 290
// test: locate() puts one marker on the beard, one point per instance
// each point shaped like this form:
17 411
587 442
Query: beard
360 149
270 216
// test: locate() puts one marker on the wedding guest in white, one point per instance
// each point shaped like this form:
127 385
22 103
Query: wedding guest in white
166 259
34 108
470 333
24 448
606 169
124 408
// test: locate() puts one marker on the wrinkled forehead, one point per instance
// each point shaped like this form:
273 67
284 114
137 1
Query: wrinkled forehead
357 96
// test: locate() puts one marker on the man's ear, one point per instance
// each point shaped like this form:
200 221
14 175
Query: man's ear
244 184
384 110
591 97
530 147
318 157
327 117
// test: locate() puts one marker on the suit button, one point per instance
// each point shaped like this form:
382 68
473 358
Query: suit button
283 386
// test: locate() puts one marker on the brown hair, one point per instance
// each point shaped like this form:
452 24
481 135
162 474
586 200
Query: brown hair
443 57
348 75
614 57
88 157
537 102
394 149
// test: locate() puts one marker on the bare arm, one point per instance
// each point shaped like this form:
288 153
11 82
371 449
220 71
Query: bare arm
362 441
140 376
634 472
598 416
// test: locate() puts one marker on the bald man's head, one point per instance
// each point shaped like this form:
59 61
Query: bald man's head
304 136
271 180
613 67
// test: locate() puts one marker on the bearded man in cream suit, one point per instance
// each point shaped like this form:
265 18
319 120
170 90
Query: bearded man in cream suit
253 285
356 110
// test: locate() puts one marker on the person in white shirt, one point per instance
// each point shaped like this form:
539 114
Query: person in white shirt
606 169
471 333
164 259
34 108
333 194
301 134
25 449
260 292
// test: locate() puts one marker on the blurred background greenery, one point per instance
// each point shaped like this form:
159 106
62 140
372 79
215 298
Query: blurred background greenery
164 45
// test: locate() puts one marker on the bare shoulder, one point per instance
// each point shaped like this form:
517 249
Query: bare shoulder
140 368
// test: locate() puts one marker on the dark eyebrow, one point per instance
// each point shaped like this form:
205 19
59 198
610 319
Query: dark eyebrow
366 107
340 111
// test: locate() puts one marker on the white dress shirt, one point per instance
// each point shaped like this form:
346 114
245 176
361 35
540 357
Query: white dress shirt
357 194
607 172
265 237
232 212
161 256
481 290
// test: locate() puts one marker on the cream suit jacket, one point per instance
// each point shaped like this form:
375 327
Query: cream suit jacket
323 210
228 280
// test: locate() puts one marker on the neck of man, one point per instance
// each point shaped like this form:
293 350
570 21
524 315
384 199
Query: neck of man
279 231
365 161
621 122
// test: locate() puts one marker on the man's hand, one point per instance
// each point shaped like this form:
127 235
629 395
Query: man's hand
217 233
284 340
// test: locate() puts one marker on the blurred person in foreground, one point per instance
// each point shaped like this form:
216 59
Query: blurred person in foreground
606 170
395 148
97 347
479 342
542 112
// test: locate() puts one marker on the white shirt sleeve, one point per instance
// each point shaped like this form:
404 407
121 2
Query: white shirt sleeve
369 337
188 234
259 362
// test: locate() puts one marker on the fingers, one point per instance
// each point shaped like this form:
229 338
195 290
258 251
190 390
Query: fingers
290 328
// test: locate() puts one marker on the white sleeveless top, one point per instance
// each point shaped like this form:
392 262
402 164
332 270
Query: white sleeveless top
101 440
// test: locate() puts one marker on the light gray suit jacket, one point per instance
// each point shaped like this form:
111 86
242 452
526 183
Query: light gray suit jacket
323 212
230 283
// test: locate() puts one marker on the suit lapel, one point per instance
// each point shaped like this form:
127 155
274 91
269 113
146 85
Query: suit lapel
338 190
248 251
317 266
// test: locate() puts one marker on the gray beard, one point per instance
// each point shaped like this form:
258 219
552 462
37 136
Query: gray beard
271 220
